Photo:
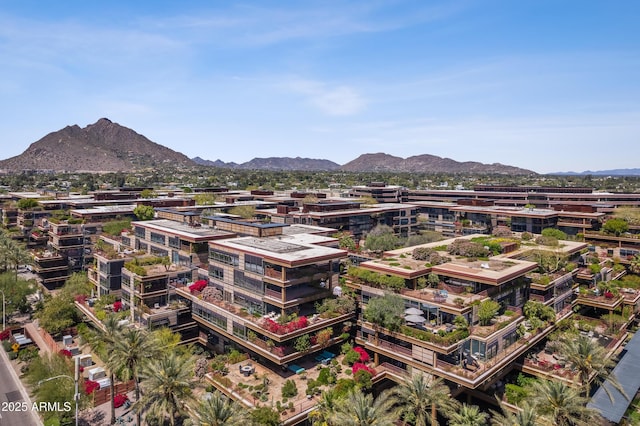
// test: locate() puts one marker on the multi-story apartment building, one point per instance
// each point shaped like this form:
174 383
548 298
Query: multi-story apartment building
262 293
434 342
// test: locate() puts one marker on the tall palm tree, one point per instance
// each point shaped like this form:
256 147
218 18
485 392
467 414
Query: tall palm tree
219 411
423 398
101 341
358 409
130 353
468 415
167 384
590 359
561 405
525 416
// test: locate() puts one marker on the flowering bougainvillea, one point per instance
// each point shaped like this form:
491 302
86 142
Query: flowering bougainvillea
364 356
81 298
117 306
4 335
119 400
90 386
65 352
360 366
292 325
198 286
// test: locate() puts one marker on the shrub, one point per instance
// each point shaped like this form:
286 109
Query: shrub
5 334
467 248
117 306
289 389
364 356
197 286
90 386
351 357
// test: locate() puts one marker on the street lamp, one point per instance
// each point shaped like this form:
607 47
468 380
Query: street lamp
76 395
4 319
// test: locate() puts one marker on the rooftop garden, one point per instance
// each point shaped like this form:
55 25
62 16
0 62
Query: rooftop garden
139 265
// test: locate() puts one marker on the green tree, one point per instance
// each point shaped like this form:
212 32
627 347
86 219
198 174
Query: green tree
167 387
561 405
101 340
218 410
16 292
555 233
324 409
244 211
422 398
381 238
525 416
143 212
302 343
205 198
615 226
386 311
130 354
58 314
487 310
265 416
590 360
359 409
468 415
147 193
27 203
634 264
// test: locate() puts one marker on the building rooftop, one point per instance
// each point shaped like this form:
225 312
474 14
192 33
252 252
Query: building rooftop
293 250
123 208
201 233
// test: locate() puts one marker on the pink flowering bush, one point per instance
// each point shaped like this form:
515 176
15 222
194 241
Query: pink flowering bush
117 306
119 400
90 386
293 325
65 352
360 366
4 335
197 286
364 356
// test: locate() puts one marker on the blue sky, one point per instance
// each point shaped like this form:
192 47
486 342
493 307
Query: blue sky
544 85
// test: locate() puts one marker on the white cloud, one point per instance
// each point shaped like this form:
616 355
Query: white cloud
338 100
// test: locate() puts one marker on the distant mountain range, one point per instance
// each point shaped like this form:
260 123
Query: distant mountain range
612 172
108 147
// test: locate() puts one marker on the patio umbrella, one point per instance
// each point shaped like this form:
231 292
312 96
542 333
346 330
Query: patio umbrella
417 319
413 311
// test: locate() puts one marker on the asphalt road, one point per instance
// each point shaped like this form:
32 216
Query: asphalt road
15 405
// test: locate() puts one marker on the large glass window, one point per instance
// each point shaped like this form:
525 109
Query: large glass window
253 264
140 232
158 238
224 257
174 242
251 284
215 272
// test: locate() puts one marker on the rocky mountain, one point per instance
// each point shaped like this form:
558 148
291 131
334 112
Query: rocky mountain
426 164
100 147
275 163
218 163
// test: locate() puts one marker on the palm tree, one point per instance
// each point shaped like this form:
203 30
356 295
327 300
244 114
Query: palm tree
324 409
468 415
167 387
560 404
524 416
590 359
219 411
128 355
634 264
422 398
101 340
358 409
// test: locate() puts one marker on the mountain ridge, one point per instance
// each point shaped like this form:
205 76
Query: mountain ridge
105 146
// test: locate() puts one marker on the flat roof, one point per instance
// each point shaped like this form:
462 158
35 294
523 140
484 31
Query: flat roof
201 233
292 250
122 208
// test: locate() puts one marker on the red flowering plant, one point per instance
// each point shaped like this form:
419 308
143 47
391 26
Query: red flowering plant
198 286
90 386
4 335
293 325
65 352
117 306
360 366
81 298
608 295
119 400
364 356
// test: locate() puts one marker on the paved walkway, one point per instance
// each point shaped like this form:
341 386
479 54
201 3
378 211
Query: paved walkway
33 331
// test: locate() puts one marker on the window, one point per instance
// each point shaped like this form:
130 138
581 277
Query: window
140 232
224 257
253 264
215 272
174 242
251 284
210 316
158 238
